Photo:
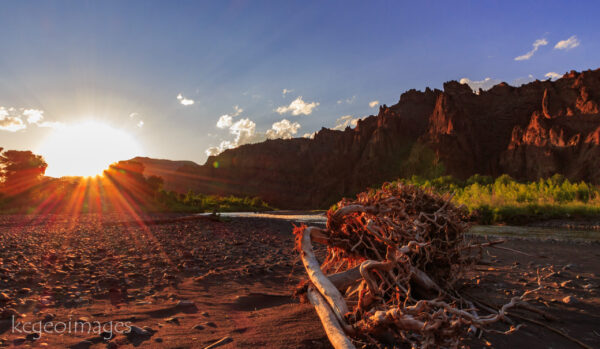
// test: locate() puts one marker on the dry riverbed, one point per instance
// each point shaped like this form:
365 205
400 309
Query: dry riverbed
181 282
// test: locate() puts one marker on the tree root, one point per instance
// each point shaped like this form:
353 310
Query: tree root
393 257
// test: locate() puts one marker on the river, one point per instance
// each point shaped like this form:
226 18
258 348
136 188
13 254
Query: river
542 233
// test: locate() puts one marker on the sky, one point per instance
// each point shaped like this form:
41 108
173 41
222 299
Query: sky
185 79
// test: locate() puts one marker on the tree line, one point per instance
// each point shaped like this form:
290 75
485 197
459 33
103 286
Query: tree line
122 187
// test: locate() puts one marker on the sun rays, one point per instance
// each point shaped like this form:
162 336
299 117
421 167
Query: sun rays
121 188
86 149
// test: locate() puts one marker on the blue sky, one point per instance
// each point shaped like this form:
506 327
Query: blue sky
126 62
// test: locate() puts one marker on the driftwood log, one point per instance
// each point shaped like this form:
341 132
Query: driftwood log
393 258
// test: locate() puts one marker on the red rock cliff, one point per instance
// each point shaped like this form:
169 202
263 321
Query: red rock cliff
531 131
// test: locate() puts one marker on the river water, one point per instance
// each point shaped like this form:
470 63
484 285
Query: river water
542 233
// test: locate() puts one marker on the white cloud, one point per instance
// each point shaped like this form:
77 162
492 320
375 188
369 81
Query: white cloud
347 100
11 123
568 44
33 116
225 121
184 100
51 124
523 80
345 121
488 83
285 91
238 111
553 76
310 135
374 103
140 122
15 119
536 45
297 107
216 150
283 129
212 151
484 84
244 131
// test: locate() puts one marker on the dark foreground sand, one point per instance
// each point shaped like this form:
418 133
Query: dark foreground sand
188 283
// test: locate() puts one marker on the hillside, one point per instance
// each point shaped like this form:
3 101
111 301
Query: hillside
528 132
172 171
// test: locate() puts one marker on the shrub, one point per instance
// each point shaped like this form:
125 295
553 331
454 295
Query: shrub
507 200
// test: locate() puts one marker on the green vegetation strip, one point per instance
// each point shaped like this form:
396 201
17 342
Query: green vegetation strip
505 200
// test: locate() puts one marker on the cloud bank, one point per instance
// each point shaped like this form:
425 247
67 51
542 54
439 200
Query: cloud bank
244 132
17 119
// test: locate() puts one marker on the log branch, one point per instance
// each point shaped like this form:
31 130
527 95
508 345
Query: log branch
325 287
332 327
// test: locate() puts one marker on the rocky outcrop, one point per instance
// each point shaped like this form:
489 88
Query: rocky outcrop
562 144
561 138
532 131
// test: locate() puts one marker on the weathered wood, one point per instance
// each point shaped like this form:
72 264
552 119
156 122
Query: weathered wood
325 287
346 278
332 327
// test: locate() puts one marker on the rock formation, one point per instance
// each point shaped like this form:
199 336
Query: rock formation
528 132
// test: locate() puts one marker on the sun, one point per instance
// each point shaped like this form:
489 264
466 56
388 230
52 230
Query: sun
86 149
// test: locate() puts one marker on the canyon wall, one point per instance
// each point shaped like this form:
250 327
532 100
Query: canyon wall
528 132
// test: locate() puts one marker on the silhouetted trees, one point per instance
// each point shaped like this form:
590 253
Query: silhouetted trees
155 183
122 188
20 170
128 177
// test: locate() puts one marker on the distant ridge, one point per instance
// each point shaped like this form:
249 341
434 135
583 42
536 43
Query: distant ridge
528 132
172 172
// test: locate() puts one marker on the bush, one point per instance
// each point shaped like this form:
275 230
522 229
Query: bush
192 202
479 179
509 201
